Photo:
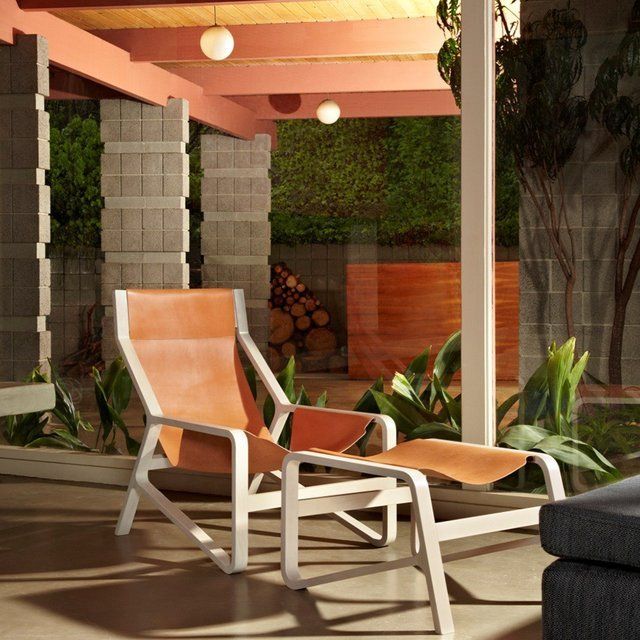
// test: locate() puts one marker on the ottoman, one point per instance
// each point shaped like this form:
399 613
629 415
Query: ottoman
593 591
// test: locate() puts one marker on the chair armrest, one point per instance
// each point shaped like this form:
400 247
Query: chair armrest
386 423
237 436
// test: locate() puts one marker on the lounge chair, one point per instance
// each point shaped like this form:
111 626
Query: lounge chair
180 347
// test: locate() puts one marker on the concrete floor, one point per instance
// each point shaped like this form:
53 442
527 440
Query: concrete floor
65 576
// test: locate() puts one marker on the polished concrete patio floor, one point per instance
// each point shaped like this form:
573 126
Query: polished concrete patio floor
65 576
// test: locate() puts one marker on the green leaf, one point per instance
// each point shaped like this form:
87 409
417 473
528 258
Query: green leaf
522 436
451 408
417 369
504 408
435 430
322 399
403 413
367 403
575 453
252 380
286 379
402 387
447 362
533 398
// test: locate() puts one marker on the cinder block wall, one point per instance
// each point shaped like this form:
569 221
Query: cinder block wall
593 188
145 182
236 233
24 207
75 289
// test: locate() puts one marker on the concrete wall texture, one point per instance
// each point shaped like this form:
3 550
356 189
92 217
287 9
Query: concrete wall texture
25 204
145 182
75 289
593 189
236 233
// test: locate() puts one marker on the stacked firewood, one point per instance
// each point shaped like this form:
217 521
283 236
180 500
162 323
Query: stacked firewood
299 322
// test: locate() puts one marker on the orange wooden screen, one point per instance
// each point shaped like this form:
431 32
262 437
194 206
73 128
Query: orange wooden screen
394 311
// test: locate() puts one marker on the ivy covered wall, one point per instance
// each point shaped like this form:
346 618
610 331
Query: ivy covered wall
391 181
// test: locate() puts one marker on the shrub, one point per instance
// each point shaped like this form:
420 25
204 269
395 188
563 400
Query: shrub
75 182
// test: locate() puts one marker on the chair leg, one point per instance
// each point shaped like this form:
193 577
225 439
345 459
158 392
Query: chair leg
141 467
140 484
430 557
128 511
552 476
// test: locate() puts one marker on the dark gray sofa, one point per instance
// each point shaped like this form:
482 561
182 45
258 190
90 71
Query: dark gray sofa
593 591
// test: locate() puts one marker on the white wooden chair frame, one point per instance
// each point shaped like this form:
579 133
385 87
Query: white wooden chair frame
245 498
426 533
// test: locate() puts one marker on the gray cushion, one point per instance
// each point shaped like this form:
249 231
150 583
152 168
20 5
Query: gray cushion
601 525
592 601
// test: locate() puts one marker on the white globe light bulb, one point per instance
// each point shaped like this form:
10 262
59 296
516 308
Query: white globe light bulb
328 111
217 43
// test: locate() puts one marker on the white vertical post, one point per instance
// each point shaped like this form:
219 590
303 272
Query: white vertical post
477 222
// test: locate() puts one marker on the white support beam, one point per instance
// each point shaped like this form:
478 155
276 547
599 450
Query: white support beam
477 222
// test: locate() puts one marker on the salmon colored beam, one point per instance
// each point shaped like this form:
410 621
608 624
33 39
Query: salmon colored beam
60 5
356 105
329 78
284 41
84 54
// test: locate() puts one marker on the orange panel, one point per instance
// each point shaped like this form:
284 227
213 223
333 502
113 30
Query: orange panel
394 311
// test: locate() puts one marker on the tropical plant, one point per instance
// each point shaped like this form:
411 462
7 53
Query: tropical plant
615 104
613 430
539 115
422 407
287 380
113 392
58 428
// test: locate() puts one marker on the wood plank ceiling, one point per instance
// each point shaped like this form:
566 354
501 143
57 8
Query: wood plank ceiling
259 13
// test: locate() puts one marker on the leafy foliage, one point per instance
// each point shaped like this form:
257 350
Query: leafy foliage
39 430
113 392
422 407
308 229
391 181
62 425
75 180
336 171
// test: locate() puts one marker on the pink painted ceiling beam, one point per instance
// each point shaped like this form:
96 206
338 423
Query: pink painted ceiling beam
86 55
361 105
61 5
329 78
285 41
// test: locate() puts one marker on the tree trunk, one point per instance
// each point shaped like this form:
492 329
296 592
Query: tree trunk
615 345
568 304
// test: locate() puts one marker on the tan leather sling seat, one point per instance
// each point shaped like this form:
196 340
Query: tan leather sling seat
186 343
458 461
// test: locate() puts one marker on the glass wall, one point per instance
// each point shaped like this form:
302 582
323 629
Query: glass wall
566 95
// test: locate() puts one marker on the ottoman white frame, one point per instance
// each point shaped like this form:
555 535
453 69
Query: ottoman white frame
426 533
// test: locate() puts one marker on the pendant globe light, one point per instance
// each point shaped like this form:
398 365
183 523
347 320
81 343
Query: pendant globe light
216 42
328 112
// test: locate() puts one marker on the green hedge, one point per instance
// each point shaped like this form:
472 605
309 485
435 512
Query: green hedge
391 181
75 174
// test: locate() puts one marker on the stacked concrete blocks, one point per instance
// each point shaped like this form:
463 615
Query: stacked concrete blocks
236 233
24 207
145 183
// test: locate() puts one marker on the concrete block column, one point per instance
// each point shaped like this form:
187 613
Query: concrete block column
25 204
236 233
145 182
